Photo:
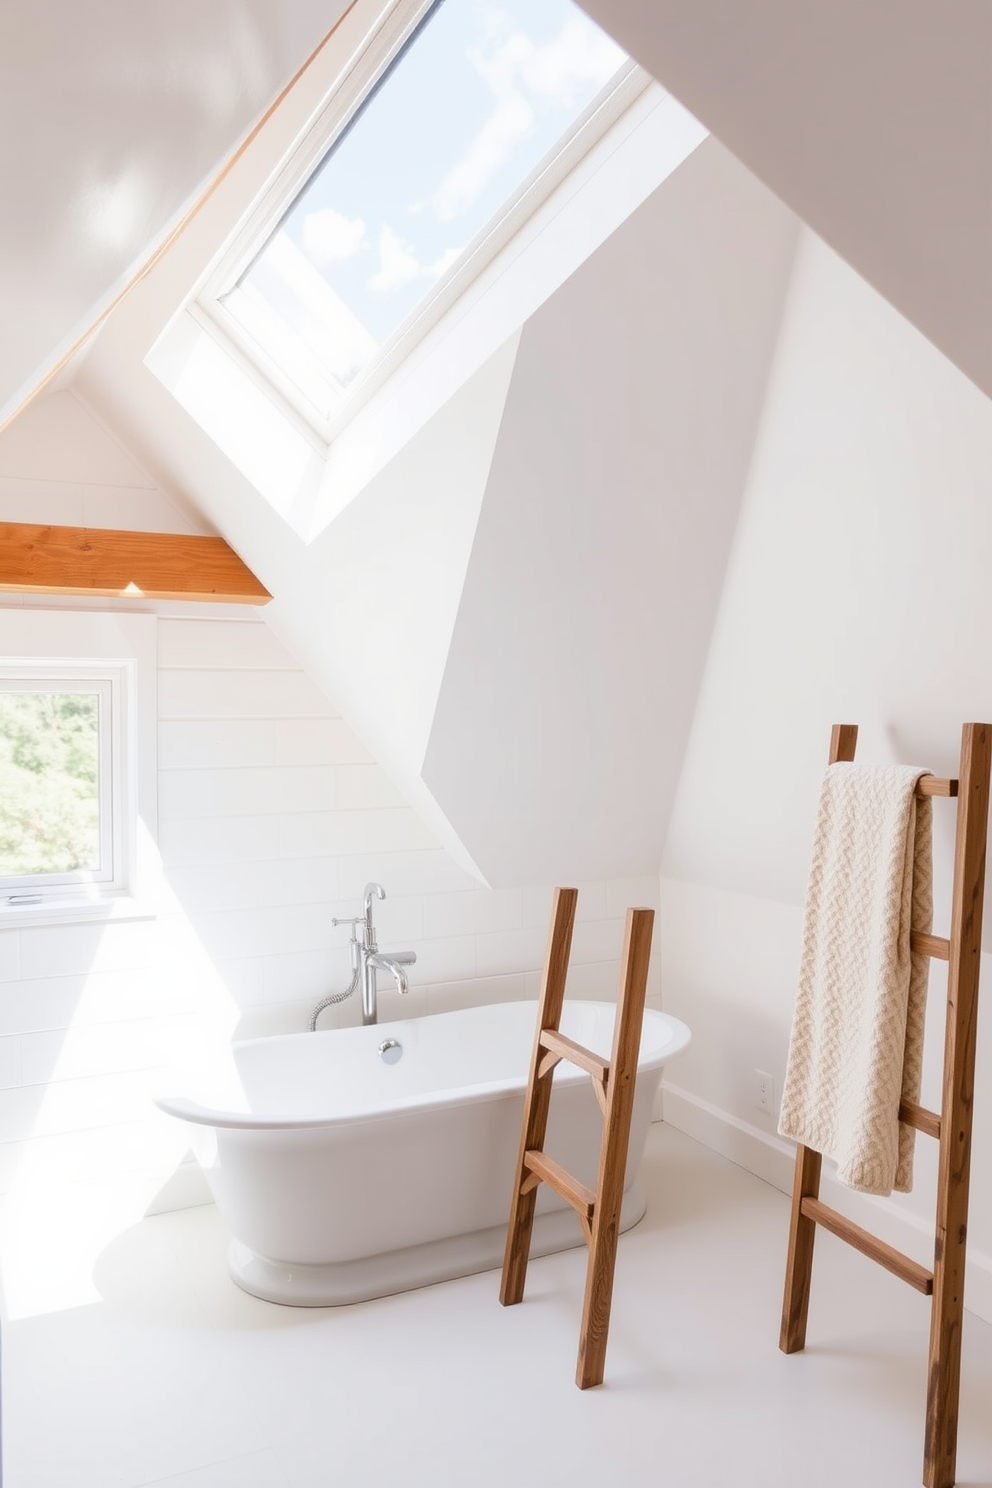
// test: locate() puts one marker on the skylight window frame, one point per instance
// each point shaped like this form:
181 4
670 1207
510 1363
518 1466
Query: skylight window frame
392 28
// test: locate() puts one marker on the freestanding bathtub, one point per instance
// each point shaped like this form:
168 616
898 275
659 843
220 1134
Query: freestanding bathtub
344 1177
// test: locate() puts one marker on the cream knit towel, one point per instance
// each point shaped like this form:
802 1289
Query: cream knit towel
857 1033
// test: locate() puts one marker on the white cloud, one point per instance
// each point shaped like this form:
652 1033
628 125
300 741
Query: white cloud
329 237
500 55
510 122
397 263
579 56
526 78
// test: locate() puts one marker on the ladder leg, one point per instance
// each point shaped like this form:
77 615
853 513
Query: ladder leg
538 1099
806 1184
947 1317
944 1372
799 1266
613 1152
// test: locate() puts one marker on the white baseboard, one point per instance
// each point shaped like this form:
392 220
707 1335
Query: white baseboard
771 1158
766 1156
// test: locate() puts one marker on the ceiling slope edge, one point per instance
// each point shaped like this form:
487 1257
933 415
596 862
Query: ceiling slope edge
873 123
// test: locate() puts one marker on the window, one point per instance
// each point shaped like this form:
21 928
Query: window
64 786
55 774
458 118
78 715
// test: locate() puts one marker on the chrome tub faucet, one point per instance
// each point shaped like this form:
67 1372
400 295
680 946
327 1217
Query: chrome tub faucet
367 960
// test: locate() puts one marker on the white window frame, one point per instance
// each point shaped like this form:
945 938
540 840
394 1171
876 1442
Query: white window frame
114 683
41 650
107 684
391 27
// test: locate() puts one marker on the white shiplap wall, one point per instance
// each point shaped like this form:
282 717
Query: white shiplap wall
272 817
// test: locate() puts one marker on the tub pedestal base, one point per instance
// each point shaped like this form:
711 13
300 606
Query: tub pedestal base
337 1283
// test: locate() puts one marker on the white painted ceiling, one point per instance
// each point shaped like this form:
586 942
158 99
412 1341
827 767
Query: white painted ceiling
113 113
871 119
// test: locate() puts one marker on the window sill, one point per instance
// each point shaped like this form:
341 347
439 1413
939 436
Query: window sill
70 911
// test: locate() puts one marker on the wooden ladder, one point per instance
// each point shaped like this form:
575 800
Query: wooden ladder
952 1127
613 1081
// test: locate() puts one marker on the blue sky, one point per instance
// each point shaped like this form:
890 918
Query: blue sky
478 99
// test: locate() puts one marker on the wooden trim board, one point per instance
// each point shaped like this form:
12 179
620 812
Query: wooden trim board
123 565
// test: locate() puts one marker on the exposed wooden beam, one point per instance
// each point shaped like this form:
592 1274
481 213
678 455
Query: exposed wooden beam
123 565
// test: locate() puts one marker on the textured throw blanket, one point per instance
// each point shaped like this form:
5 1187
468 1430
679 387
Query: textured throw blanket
857 1033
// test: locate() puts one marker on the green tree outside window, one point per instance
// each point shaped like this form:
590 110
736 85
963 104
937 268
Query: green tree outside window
49 782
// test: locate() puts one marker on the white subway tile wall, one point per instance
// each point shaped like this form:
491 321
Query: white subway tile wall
272 817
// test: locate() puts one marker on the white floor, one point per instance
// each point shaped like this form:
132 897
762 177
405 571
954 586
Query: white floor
177 1378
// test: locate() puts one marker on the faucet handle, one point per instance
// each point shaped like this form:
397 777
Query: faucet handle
357 920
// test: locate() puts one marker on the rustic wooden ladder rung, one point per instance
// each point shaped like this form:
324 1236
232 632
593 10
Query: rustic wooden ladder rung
951 1127
613 1081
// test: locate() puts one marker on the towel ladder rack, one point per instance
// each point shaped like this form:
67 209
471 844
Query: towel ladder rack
613 1081
951 1127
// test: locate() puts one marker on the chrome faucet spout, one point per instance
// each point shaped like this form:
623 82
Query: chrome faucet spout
376 962
373 961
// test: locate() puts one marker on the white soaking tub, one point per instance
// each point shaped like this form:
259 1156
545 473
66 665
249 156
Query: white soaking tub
344 1177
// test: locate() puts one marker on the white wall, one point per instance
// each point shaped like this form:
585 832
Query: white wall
271 818
857 591
598 560
372 605
59 464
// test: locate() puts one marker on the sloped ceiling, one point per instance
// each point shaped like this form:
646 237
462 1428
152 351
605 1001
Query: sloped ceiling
112 115
872 121
60 465
57 440
595 511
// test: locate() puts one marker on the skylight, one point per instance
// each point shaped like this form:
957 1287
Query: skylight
447 139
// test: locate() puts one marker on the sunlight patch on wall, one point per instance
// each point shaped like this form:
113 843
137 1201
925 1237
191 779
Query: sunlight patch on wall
97 1153
241 419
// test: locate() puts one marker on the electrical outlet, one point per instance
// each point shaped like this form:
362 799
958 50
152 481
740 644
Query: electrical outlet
764 1092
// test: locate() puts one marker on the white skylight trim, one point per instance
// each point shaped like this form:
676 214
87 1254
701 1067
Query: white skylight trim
325 297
